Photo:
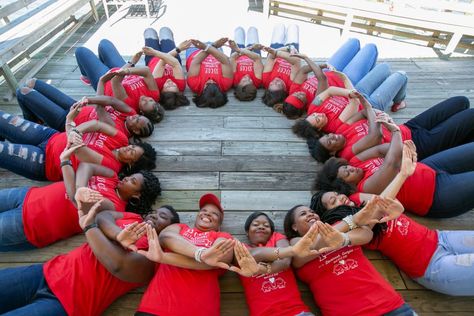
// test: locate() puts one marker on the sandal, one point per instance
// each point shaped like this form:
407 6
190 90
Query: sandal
398 106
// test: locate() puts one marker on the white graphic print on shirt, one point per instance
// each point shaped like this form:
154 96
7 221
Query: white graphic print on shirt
272 282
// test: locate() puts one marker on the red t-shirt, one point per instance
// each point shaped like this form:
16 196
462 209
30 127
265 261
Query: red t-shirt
309 87
48 215
245 66
177 291
135 87
344 282
81 283
86 114
423 182
358 130
273 294
106 186
211 68
281 69
99 142
167 74
332 107
403 241
404 131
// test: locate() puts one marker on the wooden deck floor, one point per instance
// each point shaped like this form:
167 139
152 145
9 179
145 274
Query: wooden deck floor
246 154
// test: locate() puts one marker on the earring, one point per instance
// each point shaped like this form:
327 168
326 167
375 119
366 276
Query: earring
134 201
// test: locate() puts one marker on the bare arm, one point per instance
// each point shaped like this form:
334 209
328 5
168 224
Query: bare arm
390 167
125 265
374 136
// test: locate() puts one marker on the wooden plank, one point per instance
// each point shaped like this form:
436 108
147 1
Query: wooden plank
257 122
187 122
187 148
291 181
263 200
217 133
236 163
188 180
264 148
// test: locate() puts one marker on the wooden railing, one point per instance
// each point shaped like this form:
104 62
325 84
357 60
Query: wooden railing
449 27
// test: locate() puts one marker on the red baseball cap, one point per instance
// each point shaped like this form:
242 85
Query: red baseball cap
210 198
294 101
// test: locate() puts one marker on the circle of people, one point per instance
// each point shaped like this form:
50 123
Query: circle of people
102 185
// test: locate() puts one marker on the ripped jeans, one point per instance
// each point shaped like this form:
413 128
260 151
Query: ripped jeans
25 151
451 269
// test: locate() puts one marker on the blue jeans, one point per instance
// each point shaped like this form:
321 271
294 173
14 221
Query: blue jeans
283 37
24 154
454 191
447 124
12 233
25 293
163 43
451 269
353 61
404 310
381 87
46 103
94 67
252 37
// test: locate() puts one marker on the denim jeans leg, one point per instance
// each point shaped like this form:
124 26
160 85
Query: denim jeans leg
34 299
25 110
151 40
439 113
404 310
43 108
18 286
21 131
167 42
293 36
451 269
54 94
239 36
373 79
362 63
12 198
456 130
90 65
392 87
341 58
109 54
454 193
252 38
278 36
12 232
25 160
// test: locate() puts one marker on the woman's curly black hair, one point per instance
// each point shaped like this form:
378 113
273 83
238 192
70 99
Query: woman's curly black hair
150 191
338 213
253 216
304 129
175 218
211 97
327 179
289 221
289 110
271 98
147 161
246 92
155 116
317 150
173 100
